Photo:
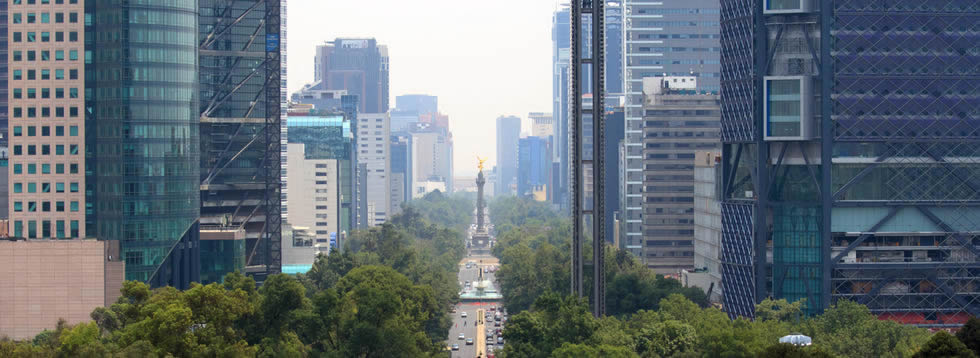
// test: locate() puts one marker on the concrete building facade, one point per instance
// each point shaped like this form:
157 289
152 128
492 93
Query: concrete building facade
373 152
46 126
662 38
318 181
46 280
678 122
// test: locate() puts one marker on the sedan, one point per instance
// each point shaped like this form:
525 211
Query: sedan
461 336
463 314
469 341
455 347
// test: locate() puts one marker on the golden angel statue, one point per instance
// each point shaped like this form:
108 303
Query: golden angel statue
481 162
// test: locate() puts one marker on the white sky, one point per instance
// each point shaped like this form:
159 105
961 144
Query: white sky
483 58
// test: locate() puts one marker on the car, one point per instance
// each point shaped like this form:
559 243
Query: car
489 334
469 341
463 314
496 323
461 336
455 347
493 308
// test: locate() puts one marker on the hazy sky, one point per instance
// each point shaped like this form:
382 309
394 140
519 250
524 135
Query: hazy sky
483 58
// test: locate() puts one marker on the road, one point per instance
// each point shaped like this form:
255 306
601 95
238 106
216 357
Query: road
467 326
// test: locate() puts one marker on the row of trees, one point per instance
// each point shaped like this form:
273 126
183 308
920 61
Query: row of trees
387 294
533 244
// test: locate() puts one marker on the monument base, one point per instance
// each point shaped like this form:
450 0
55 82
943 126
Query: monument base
480 243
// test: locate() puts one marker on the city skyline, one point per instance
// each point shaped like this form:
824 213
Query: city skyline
521 50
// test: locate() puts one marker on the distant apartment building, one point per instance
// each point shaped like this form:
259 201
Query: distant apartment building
431 158
678 122
508 133
662 38
374 161
359 66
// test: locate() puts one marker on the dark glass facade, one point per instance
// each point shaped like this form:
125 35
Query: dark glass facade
880 205
143 135
234 114
533 165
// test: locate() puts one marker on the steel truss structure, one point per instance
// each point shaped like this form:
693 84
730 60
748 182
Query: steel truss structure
882 206
596 211
240 125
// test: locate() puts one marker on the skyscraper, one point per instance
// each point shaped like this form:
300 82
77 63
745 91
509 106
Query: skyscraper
533 166
508 133
662 38
678 122
241 121
359 66
47 128
143 135
851 151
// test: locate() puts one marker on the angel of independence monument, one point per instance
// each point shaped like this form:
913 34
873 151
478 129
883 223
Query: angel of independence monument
480 239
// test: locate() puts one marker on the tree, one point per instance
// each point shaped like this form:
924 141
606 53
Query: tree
969 334
586 351
943 344
848 329
786 350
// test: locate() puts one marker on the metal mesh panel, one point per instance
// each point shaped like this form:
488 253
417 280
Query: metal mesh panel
737 70
906 95
738 259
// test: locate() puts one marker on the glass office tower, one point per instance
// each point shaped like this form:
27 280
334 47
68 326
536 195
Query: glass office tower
851 160
142 135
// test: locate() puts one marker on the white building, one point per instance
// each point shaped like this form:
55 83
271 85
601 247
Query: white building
707 225
542 124
315 203
373 151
